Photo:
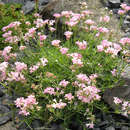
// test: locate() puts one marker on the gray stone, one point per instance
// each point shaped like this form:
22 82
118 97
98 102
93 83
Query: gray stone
5 114
15 1
96 128
127 1
1 93
114 3
124 128
30 6
119 91
110 128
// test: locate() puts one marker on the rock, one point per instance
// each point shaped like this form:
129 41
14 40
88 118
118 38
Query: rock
30 6
36 124
104 123
2 3
114 3
5 114
96 128
14 1
110 128
127 1
1 93
23 126
124 128
119 91
127 34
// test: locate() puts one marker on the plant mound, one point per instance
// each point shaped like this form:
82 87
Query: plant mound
61 78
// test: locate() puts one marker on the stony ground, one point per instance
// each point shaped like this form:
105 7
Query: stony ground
97 8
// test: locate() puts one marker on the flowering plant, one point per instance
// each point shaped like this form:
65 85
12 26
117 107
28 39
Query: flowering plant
61 78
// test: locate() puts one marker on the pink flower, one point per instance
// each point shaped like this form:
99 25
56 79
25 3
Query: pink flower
121 12
50 91
82 45
125 40
106 43
105 19
69 96
71 23
26 104
114 72
15 76
83 78
67 14
28 23
34 67
64 50
94 28
56 15
36 15
90 125
117 100
42 37
55 43
103 30
52 29
77 61
22 48
68 34
100 48
59 105
89 22
44 61
64 83
20 66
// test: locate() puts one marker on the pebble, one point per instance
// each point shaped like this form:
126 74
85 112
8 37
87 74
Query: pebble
124 128
110 128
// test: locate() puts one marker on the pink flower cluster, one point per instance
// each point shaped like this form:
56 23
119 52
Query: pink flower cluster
105 19
89 22
88 94
14 25
40 23
3 67
20 66
30 34
125 41
109 47
43 62
125 106
83 78
15 76
9 38
68 34
82 45
76 59
59 105
63 50
50 91
6 53
73 18
64 83
56 43
69 96
125 8
26 104
114 71
34 67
